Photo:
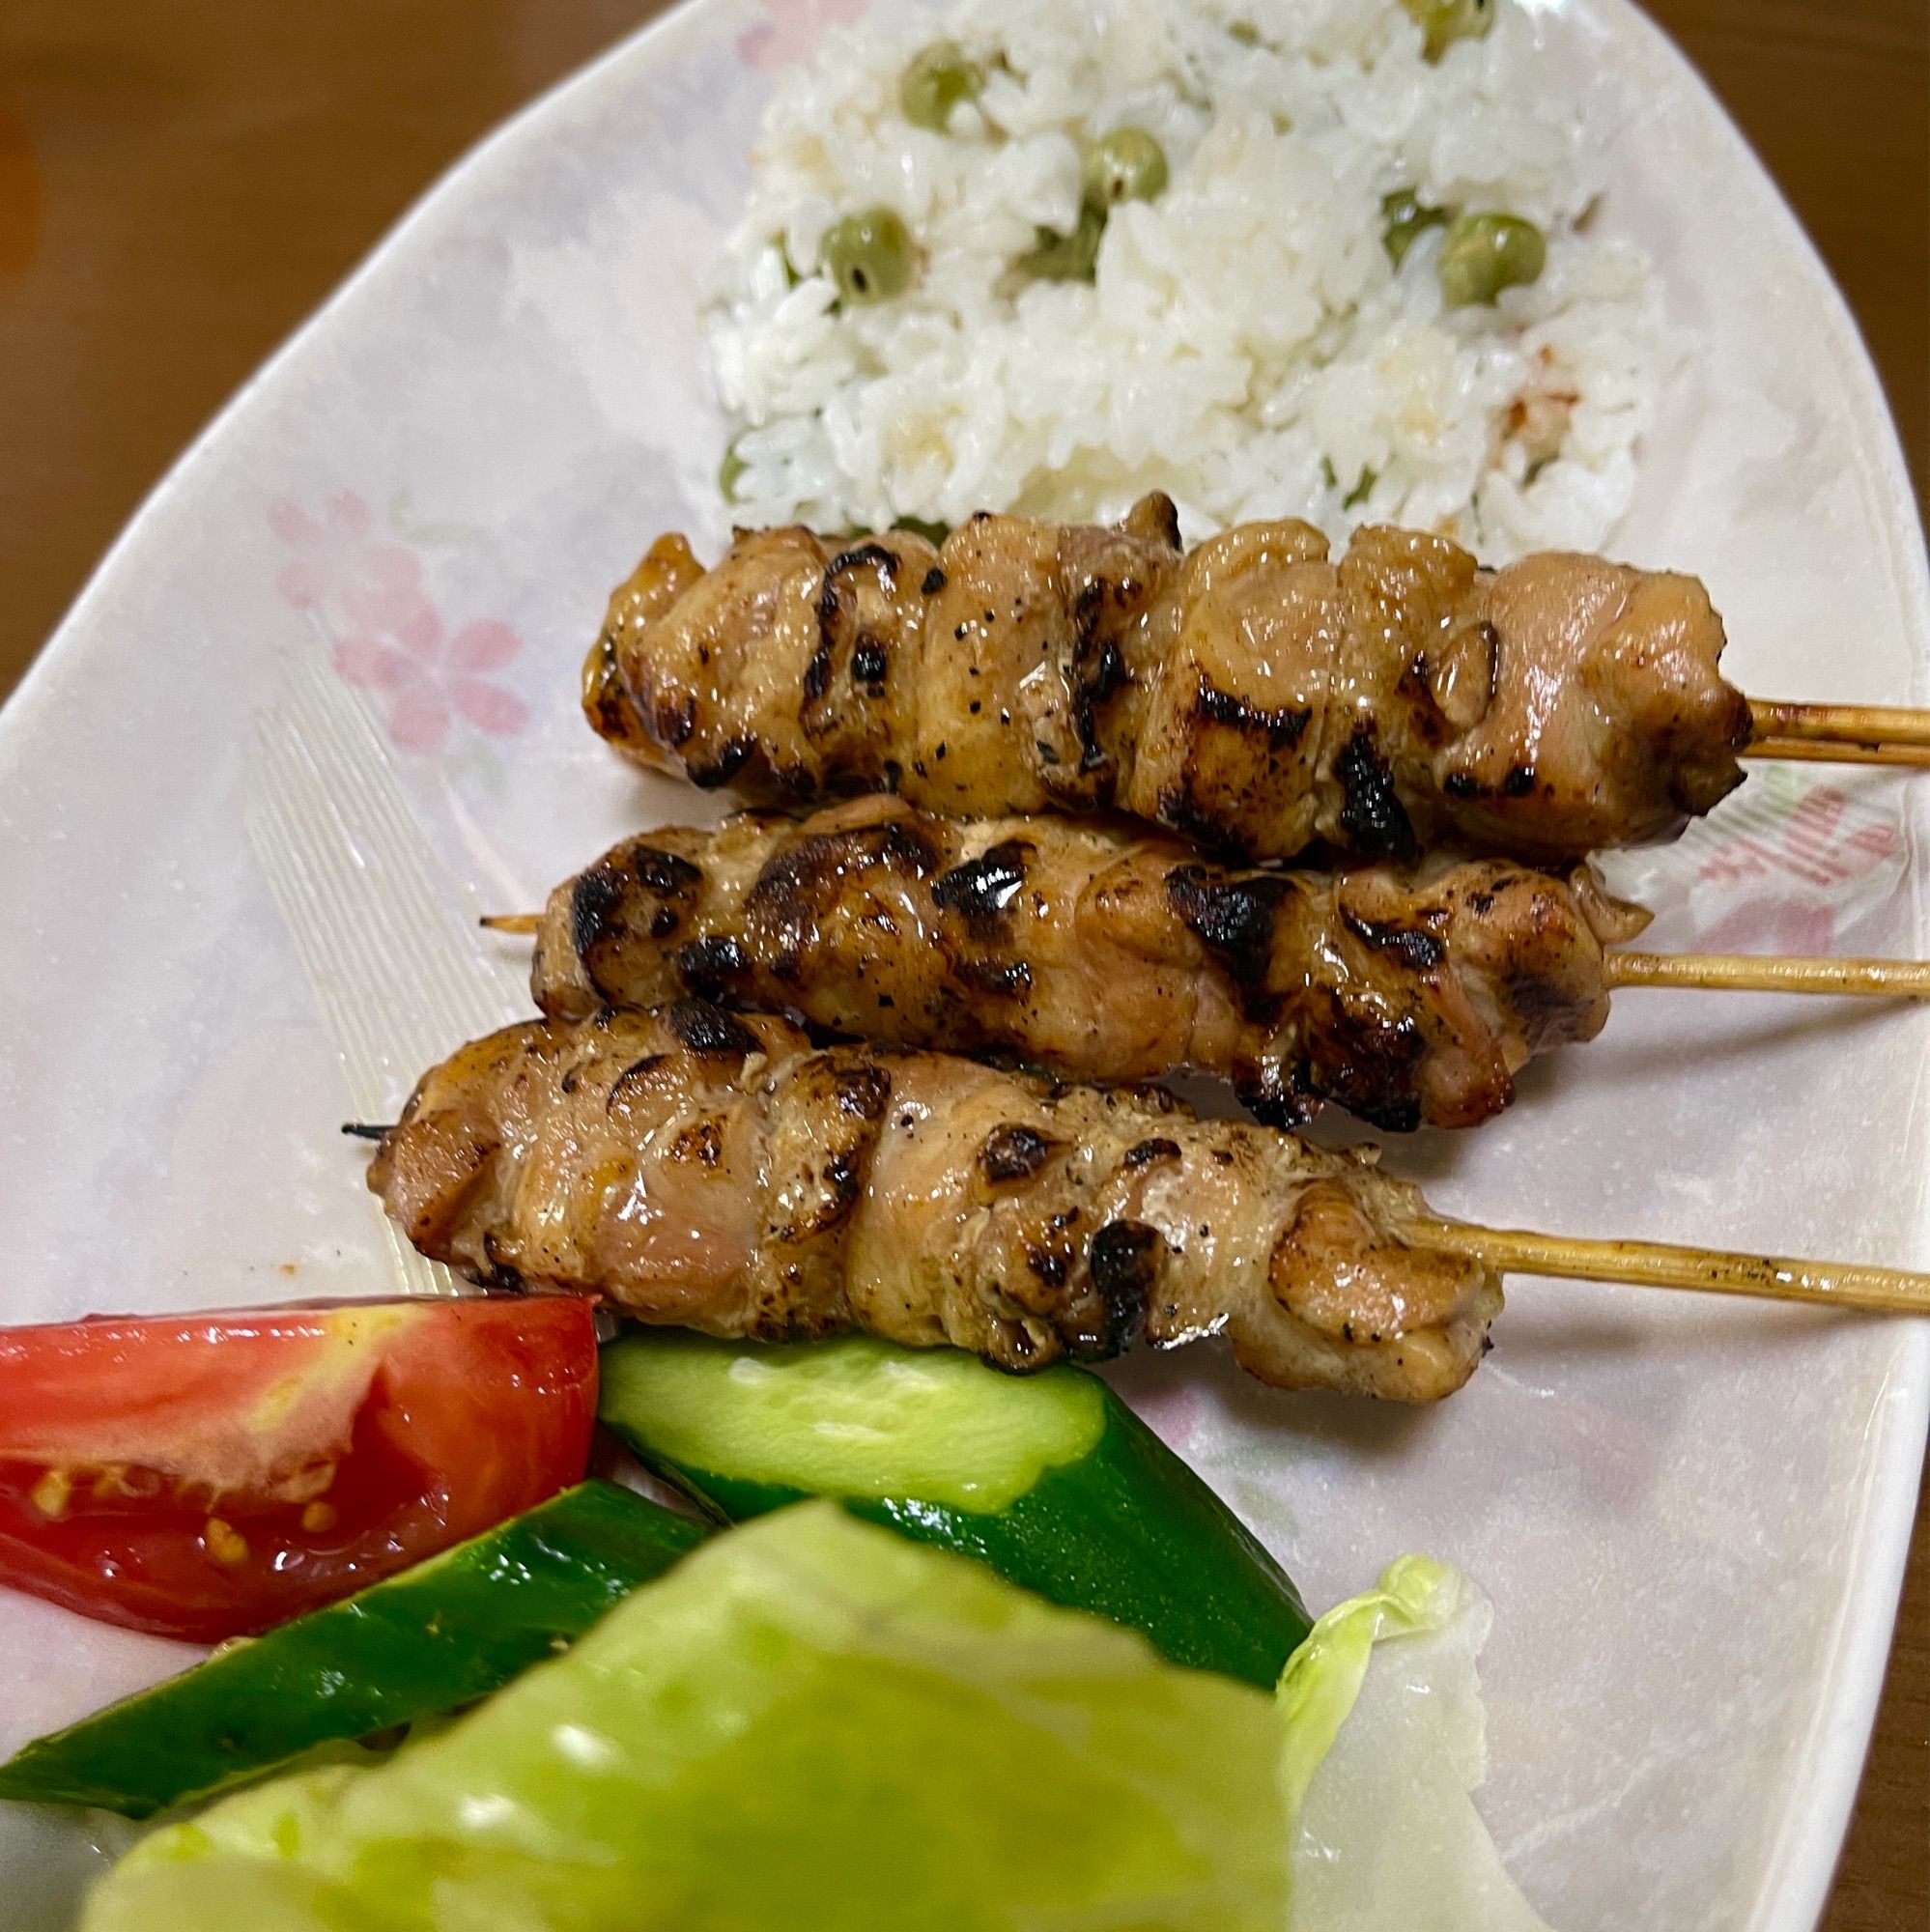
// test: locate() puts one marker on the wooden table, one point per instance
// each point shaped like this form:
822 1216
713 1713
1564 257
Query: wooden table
181 181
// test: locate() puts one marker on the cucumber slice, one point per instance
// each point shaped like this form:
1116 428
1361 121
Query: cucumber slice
1049 1479
415 1645
856 1417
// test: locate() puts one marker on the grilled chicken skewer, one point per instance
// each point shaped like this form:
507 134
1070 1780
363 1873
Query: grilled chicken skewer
1096 950
715 1172
1255 692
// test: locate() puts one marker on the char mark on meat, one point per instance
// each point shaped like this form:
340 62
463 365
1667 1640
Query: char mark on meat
1367 1063
732 755
1234 917
635 1074
834 605
863 1091
799 884
997 978
1124 1263
675 722
1013 1152
1275 1102
713 967
869 662
1281 728
1179 810
661 871
713 1034
1420 951
596 902
1371 815
1100 607
981 890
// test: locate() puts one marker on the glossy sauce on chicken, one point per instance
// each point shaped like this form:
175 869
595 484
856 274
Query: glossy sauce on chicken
1255 692
716 1172
1098 950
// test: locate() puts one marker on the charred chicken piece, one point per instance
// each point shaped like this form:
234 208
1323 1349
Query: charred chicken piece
716 1172
1101 951
1256 693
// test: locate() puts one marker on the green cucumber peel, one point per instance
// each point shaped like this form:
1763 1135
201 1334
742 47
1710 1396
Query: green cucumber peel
1066 1492
415 1645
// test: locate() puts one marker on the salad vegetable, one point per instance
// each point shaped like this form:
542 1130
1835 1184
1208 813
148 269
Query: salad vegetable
808 1724
1384 1742
446 1631
204 1475
1048 1478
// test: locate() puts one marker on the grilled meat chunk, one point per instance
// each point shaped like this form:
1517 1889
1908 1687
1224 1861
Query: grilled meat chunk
1099 950
716 1172
1256 693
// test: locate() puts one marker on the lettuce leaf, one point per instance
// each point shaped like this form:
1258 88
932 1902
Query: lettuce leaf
1385 1741
809 1723
816 1724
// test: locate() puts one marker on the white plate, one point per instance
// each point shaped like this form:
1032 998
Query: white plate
1692 1514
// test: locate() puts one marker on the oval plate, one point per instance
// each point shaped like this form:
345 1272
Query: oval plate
1692 1514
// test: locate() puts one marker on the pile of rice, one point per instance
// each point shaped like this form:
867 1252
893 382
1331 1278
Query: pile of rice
1247 344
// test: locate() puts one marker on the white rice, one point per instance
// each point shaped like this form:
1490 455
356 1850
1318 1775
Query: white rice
1247 344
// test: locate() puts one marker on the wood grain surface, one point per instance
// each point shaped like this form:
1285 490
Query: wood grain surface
181 181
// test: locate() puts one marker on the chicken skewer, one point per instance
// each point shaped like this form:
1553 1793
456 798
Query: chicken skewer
716 1172
1096 950
1253 693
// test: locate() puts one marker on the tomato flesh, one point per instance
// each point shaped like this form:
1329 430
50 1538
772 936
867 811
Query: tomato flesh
207 1476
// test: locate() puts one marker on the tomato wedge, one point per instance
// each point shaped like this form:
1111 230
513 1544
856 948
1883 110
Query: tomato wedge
206 1476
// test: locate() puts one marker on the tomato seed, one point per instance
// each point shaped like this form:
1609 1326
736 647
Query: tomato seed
224 1542
49 1494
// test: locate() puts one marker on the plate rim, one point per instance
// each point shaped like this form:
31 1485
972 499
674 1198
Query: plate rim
1801 1861
1794 1888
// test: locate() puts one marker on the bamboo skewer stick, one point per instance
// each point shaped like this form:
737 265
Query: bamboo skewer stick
525 923
1837 751
1662 1264
1852 723
1772 973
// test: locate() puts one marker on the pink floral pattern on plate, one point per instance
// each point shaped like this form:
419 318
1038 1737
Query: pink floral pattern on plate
387 633
1819 844
791 29
1785 879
